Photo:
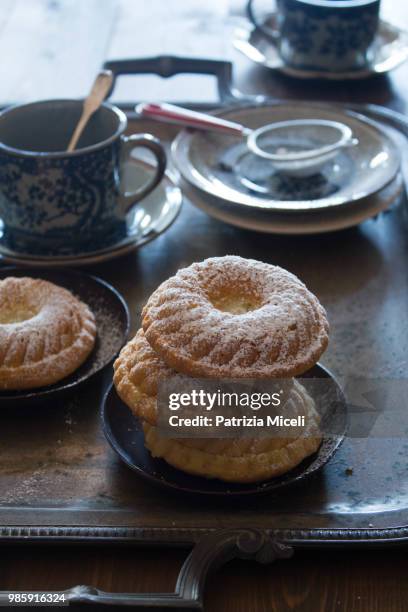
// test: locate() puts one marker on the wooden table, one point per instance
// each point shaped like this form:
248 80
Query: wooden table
36 38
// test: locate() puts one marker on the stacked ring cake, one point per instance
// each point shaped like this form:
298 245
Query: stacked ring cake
226 317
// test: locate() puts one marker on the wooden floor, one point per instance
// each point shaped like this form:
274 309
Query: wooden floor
54 47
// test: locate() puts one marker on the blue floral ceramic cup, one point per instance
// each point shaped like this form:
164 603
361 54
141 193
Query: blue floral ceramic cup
325 35
53 202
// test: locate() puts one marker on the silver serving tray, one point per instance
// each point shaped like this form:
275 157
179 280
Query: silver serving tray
61 484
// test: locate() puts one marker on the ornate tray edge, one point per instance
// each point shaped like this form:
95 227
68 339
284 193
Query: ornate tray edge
213 549
186 537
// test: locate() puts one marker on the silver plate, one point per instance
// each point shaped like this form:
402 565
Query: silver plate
150 218
301 224
209 162
390 50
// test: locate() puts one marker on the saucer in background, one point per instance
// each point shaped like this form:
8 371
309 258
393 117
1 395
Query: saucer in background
390 50
319 222
216 165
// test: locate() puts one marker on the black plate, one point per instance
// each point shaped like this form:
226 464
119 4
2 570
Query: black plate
125 434
112 322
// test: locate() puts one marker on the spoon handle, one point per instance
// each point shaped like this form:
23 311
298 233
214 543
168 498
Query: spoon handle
169 113
78 130
100 89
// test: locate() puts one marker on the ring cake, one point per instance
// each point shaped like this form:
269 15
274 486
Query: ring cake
245 459
227 317
236 318
138 370
45 333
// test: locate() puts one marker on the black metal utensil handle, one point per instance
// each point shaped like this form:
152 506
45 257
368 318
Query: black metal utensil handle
168 65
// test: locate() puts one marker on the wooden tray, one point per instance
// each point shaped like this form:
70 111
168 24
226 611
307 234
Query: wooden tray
61 483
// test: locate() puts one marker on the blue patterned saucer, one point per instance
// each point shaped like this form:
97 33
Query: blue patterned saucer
390 50
149 219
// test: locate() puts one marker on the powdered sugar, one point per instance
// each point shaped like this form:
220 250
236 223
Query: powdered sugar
282 333
53 332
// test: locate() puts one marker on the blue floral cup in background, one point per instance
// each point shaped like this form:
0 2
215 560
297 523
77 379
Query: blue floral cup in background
328 35
53 202
333 35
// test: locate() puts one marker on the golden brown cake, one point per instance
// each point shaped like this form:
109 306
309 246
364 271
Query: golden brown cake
227 317
242 460
45 333
137 372
236 318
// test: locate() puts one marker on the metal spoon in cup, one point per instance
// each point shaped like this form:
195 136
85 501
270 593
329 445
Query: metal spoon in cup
293 159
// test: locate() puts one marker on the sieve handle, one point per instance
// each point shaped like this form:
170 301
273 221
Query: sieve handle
169 113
